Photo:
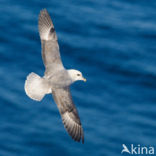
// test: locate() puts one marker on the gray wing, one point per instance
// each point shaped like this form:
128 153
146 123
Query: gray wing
50 48
68 113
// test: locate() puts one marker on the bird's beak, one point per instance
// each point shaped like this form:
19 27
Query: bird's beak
84 79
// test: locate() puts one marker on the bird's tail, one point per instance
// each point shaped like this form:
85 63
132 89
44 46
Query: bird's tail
36 87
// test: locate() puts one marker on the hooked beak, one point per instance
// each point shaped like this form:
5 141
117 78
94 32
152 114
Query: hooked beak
84 79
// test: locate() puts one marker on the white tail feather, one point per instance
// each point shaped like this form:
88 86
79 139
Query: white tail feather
36 87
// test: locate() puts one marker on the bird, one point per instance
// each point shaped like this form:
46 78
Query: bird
56 80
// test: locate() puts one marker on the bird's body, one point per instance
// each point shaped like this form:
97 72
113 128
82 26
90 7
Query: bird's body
56 79
59 79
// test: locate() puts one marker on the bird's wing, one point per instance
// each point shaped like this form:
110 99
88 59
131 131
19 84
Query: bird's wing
50 48
68 113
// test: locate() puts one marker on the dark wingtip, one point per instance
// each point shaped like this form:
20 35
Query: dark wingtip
45 25
44 10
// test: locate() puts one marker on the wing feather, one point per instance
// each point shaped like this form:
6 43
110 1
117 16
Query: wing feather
50 48
68 113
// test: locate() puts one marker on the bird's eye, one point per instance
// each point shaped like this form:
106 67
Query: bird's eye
78 74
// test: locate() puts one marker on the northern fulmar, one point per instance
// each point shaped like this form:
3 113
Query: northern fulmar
56 79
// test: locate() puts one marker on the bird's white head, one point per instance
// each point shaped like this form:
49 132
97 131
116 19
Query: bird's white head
76 75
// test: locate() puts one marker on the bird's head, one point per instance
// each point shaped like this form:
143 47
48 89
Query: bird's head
76 75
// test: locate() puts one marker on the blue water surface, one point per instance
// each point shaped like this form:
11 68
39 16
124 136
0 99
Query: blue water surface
113 43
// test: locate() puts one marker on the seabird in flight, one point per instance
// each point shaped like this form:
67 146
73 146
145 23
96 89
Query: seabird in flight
56 79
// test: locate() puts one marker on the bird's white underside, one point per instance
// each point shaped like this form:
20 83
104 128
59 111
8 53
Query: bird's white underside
36 87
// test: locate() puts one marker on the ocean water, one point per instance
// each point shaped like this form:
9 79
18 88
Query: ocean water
113 43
